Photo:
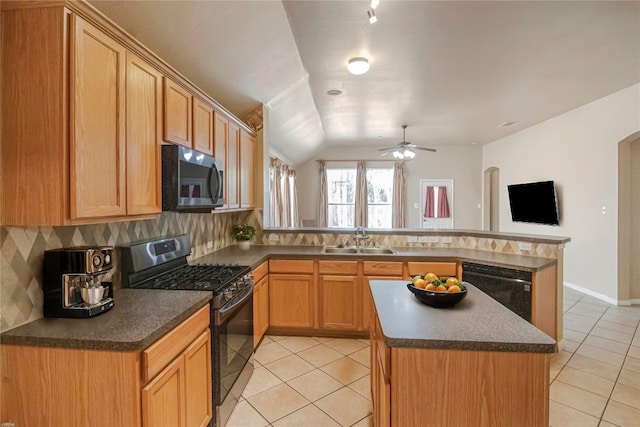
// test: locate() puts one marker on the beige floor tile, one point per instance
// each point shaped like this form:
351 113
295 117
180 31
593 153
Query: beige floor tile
594 367
615 346
632 364
587 310
554 370
323 339
577 398
561 357
568 345
594 301
296 344
578 323
602 355
365 341
261 380
277 402
277 338
612 335
621 414
586 381
365 422
632 312
362 356
345 406
564 416
345 370
629 378
345 345
319 355
573 335
634 352
636 341
289 367
315 385
244 415
310 415
627 329
606 424
266 340
270 352
627 395
362 387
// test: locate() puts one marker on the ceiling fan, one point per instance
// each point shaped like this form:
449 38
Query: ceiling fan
404 149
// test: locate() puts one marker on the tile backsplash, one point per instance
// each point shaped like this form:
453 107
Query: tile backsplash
22 250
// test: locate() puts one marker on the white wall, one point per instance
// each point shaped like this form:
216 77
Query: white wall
462 164
578 150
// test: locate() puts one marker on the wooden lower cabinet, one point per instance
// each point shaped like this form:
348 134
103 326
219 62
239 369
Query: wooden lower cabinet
339 302
260 309
291 300
167 384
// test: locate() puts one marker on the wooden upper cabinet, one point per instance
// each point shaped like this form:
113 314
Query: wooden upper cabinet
177 113
202 126
247 160
232 166
220 142
97 130
144 133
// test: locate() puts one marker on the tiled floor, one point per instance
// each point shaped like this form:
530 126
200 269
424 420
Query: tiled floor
316 382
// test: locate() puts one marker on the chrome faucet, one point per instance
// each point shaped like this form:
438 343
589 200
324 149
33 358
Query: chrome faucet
360 235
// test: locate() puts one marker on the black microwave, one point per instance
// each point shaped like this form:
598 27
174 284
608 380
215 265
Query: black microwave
191 180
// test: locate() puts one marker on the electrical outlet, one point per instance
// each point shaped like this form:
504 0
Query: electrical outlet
434 239
446 239
524 246
412 239
273 237
416 206
209 244
423 239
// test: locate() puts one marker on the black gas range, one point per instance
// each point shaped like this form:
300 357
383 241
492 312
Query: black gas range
162 264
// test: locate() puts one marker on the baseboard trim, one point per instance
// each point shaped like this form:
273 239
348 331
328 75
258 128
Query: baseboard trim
596 294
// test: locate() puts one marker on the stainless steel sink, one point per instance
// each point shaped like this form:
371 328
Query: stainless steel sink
357 251
376 251
336 250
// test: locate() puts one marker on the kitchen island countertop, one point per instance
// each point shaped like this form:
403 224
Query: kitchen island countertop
477 323
138 318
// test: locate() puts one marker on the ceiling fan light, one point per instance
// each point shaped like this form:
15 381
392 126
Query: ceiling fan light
409 154
372 16
375 4
398 154
358 65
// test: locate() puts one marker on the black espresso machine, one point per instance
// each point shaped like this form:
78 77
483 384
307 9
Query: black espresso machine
72 281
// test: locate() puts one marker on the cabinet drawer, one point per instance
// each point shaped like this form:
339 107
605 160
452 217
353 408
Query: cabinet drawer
380 268
163 351
291 266
260 271
338 267
438 268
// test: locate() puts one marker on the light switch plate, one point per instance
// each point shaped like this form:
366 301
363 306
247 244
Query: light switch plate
273 237
412 239
209 244
524 246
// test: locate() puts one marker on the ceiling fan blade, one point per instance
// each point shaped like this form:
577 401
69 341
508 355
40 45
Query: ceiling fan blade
425 149
384 154
387 149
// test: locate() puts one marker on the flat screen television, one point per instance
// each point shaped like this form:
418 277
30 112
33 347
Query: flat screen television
534 202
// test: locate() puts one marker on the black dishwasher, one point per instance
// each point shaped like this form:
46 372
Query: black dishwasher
511 288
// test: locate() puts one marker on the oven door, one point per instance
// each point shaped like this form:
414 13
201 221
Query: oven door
233 343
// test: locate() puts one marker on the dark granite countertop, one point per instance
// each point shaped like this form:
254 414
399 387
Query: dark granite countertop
138 318
476 323
258 253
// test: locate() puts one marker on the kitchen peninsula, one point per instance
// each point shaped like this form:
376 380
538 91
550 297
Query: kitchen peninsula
476 363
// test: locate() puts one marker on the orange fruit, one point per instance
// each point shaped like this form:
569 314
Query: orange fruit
430 277
452 281
454 289
430 287
441 288
420 283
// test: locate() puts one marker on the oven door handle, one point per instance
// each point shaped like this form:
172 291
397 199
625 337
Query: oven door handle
228 310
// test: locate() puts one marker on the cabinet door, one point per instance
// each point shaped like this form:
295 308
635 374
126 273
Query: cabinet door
233 177
247 154
97 131
177 114
260 309
220 142
291 300
144 127
339 302
202 126
197 363
444 269
163 399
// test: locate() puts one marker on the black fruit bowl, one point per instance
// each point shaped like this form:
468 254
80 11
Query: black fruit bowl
437 299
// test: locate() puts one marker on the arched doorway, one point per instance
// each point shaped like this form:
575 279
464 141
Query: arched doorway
491 202
629 219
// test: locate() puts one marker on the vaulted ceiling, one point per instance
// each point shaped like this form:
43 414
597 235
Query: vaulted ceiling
451 70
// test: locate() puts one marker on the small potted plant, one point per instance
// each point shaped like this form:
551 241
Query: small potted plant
243 233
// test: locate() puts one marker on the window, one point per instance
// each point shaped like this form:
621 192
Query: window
341 186
341 207
380 197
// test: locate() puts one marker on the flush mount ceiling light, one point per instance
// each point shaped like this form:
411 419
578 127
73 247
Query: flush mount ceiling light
372 16
375 4
334 92
358 65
